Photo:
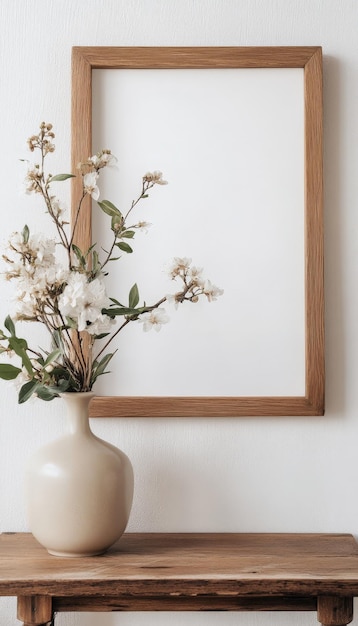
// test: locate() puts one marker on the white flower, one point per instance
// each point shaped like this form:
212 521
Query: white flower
83 302
37 252
180 265
90 184
103 159
58 207
211 291
42 249
172 299
33 178
154 319
103 324
155 177
195 275
144 226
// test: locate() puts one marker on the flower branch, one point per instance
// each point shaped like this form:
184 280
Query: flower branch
70 300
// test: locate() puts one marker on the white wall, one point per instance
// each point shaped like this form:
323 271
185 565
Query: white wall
293 474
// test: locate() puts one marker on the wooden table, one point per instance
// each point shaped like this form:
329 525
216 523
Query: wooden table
186 572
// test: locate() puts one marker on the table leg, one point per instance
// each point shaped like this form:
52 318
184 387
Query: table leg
334 610
35 610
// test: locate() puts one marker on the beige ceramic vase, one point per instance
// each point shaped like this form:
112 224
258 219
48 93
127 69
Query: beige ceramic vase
79 488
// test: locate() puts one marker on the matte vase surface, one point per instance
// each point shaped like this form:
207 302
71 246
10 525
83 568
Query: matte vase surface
79 488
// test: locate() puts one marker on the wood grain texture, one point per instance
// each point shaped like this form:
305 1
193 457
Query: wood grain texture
334 611
314 270
153 566
182 603
186 572
84 59
34 609
148 406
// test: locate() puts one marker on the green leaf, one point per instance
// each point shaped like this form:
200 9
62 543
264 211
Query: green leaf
129 234
57 340
122 245
95 261
101 336
109 208
52 357
133 296
25 233
9 372
116 223
116 302
46 393
119 311
62 385
99 368
19 346
79 255
27 390
71 323
10 326
61 177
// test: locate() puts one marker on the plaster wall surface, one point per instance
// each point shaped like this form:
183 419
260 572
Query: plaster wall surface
257 474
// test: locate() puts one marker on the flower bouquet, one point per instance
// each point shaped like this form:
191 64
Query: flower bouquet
63 287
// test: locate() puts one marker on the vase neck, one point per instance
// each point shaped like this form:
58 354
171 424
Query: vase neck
77 405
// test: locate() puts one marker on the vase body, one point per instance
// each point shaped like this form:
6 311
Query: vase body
79 488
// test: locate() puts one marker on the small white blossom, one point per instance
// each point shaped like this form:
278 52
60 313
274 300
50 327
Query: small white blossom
144 226
38 251
58 207
90 184
103 159
195 274
154 319
171 298
179 265
33 178
211 291
155 177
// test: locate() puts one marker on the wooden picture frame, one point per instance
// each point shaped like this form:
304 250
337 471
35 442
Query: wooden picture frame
86 59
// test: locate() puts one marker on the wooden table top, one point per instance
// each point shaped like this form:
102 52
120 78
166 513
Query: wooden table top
186 564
